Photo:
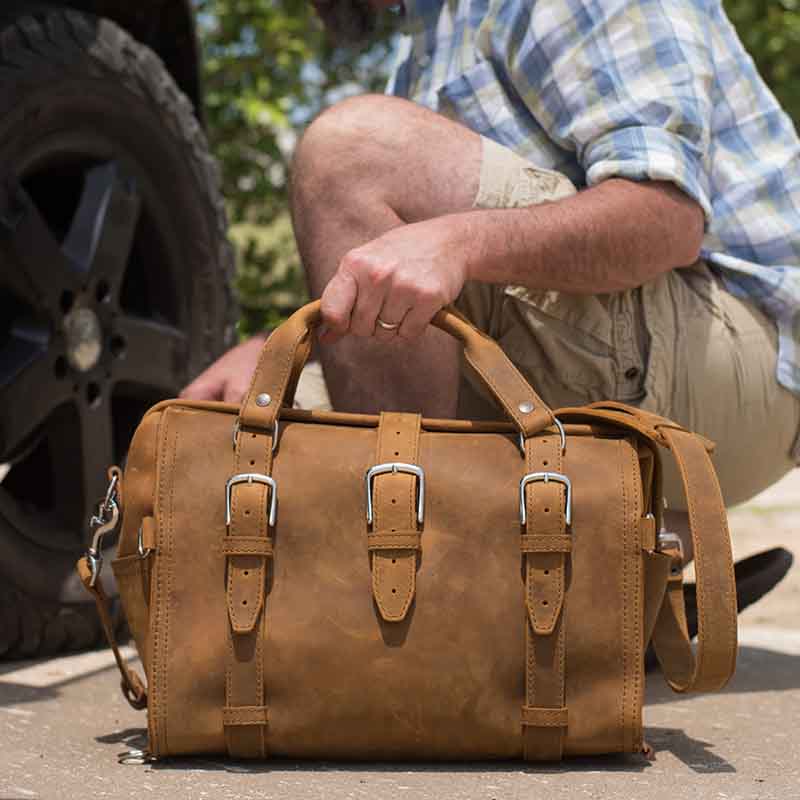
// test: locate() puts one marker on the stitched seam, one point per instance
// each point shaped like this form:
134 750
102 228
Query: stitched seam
155 655
624 528
171 552
560 620
376 516
262 600
410 558
278 400
530 678
524 386
699 667
699 661
635 559
229 737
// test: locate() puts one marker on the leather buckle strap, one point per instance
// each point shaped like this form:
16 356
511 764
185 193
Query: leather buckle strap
250 513
546 513
395 509
715 660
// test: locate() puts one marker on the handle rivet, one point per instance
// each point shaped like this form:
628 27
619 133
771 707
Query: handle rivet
263 400
526 407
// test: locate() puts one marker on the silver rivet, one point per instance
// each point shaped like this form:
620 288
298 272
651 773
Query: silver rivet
526 407
263 400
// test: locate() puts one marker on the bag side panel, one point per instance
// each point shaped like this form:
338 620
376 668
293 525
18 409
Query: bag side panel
132 573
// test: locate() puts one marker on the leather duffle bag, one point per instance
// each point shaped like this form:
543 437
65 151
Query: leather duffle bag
322 585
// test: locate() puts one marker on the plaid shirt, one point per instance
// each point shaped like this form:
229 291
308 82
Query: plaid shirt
638 89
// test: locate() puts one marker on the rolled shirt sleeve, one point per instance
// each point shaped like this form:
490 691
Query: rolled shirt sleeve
626 86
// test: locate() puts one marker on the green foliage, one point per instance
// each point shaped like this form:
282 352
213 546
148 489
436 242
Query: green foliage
269 69
770 30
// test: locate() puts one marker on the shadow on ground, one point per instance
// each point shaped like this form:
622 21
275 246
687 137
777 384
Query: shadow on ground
695 753
757 670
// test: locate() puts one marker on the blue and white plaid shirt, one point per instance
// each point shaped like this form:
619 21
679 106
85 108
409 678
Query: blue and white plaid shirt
639 89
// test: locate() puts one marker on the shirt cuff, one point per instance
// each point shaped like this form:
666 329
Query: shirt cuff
641 153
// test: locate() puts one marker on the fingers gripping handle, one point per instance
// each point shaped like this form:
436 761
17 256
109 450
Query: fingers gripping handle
286 350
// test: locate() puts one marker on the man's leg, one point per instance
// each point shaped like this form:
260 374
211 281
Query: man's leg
363 167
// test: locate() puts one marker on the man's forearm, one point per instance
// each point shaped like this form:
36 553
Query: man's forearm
614 236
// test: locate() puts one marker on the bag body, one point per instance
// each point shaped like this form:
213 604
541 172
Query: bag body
337 586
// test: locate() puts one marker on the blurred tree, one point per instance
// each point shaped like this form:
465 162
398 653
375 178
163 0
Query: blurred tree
269 68
770 30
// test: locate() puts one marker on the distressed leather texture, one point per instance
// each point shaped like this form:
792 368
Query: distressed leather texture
467 636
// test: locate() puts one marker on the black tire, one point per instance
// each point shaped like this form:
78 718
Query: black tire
115 290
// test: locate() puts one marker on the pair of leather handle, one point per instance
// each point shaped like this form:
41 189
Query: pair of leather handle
286 350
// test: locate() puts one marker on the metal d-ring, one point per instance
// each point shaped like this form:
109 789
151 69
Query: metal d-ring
561 433
276 431
140 545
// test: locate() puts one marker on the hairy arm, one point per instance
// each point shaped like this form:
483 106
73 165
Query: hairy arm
614 236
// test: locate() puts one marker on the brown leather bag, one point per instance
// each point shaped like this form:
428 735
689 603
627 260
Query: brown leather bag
325 585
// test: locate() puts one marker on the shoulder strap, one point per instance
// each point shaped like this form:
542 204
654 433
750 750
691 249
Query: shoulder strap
715 660
132 685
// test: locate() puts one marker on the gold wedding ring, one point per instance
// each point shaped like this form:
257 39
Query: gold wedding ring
388 326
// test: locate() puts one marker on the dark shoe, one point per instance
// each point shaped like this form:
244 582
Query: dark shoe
755 576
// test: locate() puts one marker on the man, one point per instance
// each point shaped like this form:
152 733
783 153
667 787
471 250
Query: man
670 279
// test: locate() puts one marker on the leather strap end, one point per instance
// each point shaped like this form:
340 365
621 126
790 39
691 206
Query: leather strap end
245 594
545 596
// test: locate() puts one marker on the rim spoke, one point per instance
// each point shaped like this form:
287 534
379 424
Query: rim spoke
33 261
101 233
29 390
150 354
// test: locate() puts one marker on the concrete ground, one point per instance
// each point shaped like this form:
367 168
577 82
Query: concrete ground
63 723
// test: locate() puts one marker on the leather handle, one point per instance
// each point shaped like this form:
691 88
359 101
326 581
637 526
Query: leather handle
286 350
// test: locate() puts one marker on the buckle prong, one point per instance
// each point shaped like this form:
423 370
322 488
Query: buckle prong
544 477
252 477
395 467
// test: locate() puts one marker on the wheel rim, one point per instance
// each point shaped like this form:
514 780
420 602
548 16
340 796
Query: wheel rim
92 331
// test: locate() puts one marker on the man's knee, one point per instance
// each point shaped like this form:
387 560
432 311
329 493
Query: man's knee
349 142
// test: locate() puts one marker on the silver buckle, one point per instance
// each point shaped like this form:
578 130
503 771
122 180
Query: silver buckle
252 477
275 433
544 477
394 467
667 540
561 433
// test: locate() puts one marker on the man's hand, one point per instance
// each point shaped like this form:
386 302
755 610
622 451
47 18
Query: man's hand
404 276
228 378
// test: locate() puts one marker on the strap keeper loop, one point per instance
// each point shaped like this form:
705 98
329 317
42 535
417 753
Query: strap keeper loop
545 543
544 717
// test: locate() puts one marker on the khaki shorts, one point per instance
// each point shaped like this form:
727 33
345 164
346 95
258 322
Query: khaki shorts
681 346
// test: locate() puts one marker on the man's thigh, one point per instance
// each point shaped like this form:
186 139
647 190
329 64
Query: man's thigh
680 346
